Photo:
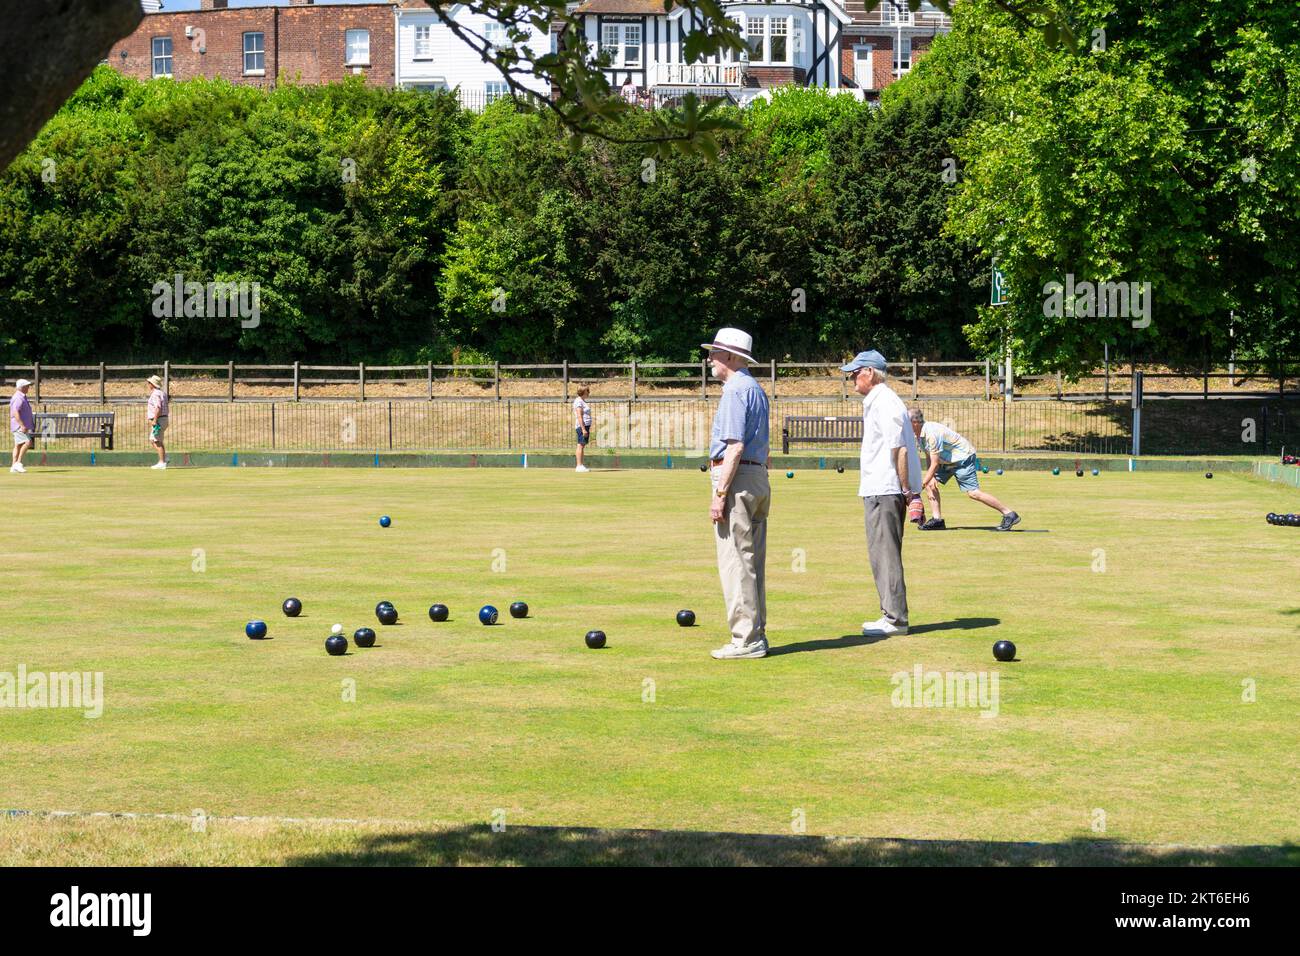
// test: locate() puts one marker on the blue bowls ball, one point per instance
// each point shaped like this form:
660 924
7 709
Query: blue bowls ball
487 614
336 645
385 521
999 471
256 630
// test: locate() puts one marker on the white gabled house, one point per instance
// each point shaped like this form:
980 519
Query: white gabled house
429 56
788 43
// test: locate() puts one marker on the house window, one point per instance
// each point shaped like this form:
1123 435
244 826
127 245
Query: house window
495 35
903 56
621 43
358 48
255 53
780 40
162 56
632 45
495 90
755 33
424 42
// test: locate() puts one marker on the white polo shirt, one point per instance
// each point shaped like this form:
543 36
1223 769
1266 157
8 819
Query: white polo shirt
885 427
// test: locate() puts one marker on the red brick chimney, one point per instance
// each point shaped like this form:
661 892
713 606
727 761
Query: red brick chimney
213 4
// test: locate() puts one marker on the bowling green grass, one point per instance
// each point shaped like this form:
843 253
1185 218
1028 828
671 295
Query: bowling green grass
1120 733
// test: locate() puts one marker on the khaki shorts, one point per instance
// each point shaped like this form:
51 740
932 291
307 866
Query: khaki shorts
156 432
23 438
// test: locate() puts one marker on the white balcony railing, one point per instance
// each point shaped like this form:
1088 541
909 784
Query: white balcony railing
698 74
892 14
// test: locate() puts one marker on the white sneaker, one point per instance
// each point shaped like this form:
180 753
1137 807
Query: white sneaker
733 651
882 628
18 468
161 466
582 468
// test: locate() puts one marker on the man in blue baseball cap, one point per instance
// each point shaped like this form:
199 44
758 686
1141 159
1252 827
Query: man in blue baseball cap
891 478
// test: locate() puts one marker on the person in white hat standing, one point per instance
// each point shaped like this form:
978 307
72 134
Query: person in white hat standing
742 496
22 422
157 419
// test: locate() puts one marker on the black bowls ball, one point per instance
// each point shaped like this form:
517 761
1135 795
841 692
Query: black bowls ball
595 639
839 469
336 644
1004 651
519 609
381 605
363 637
292 607
438 612
686 618
387 614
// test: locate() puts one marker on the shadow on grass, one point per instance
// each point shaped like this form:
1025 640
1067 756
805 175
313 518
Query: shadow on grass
860 640
573 846
993 527
957 624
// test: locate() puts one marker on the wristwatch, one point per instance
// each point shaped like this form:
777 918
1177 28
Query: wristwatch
719 492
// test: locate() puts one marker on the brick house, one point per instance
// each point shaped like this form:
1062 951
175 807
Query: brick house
301 43
880 46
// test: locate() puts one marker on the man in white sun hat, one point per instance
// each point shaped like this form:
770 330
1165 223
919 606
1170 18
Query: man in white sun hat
890 479
738 450
22 423
157 416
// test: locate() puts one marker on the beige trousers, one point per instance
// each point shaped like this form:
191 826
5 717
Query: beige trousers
741 538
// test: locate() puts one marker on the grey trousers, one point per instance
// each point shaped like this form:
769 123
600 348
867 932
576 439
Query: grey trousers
741 539
884 518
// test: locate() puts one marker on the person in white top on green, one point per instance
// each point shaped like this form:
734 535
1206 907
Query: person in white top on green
582 425
951 455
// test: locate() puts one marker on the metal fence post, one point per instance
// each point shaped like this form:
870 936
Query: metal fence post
230 380
36 380
296 381
704 378
1137 414
510 441
496 378
101 383
430 381
361 379
167 377
987 382
273 404
390 426
565 376
634 380
913 379
773 368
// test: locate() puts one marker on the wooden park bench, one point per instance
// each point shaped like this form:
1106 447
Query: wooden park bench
821 430
76 425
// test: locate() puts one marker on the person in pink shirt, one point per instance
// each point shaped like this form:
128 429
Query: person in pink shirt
157 419
22 423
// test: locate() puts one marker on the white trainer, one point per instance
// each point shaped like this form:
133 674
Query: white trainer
733 651
161 466
582 468
882 628
18 468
